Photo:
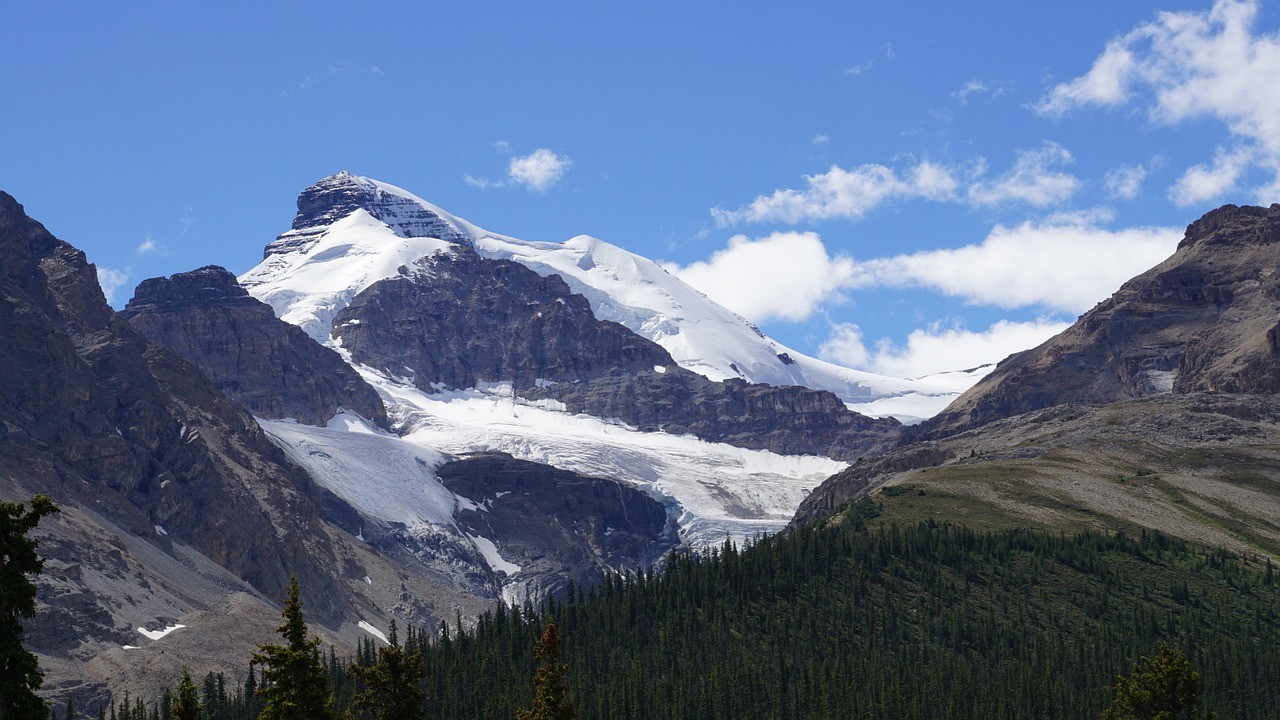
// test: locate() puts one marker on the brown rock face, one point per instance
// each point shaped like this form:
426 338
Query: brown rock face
1206 319
271 367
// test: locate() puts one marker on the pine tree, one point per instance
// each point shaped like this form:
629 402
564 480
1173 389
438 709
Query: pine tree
392 685
20 675
187 706
550 698
1161 688
294 686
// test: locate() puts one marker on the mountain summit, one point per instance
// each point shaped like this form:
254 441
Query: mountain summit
351 232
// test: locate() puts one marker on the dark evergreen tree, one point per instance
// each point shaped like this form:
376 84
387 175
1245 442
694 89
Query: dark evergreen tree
20 675
550 696
1164 687
294 686
392 685
187 706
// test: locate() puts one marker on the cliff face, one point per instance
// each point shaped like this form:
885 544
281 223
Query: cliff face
271 367
1206 319
457 319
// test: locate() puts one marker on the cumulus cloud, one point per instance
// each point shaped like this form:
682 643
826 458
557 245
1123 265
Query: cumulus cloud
1206 182
821 139
538 170
840 193
1125 181
784 276
938 347
1190 65
111 281
1065 267
1032 180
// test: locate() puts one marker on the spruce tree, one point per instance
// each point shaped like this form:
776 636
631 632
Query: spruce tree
187 706
294 686
392 685
20 675
550 698
1164 687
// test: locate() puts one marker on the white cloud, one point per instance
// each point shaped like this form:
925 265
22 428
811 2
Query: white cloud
1188 65
482 183
821 139
860 69
840 193
1106 83
1124 181
111 281
937 347
976 87
149 246
1066 267
538 170
1030 180
1206 182
784 276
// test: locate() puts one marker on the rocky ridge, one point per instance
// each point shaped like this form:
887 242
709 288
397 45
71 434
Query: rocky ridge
1206 319
271 367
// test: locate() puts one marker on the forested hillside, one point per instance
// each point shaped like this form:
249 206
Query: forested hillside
841 620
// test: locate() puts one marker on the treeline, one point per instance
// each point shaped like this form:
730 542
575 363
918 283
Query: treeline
841 621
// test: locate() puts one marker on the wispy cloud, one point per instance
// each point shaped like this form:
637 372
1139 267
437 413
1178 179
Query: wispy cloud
840 193
1032 179
976 87
111 280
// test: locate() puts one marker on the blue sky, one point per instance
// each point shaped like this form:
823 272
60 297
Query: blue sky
904 187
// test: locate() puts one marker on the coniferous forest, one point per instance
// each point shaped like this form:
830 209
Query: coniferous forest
843 620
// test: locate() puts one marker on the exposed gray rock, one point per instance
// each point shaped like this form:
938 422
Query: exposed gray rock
457 319
337 196
558 526
271 367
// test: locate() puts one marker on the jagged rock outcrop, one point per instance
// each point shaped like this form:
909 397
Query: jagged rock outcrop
341 194
557 526
271 367
457 319
1206 319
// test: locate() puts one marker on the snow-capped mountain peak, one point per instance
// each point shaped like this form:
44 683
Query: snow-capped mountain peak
353 231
